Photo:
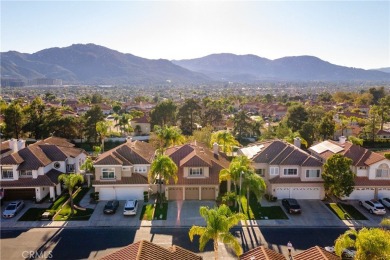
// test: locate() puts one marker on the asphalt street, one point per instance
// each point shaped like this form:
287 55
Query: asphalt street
93 243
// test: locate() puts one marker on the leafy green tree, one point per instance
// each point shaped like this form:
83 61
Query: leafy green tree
96 98
103 130
377 94
203 135
308 132
242 124
162 168
219 221
296 117
325 97
225 139
384 110
373 120
253 183
168 136
355 140
327 126
188 114
88 165
92 117
70 181
14 120
163 114
370 243
116 108
124 123
338 176
35 118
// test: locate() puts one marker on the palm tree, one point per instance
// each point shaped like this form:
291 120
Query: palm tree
88 165
226 139
218 223
102 128
168 136
253 183
162 168
70 181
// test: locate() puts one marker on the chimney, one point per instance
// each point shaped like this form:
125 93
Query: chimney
21 144
297 142
13 145
216 148
342 139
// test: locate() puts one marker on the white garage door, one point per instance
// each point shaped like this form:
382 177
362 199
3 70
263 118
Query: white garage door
383 193
129 193
362 194
106 194
305 193
282 193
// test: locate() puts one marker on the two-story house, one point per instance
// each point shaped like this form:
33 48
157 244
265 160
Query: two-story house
288 171
198 172
372 169
122 172
32 172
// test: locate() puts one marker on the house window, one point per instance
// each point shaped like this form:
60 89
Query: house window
25 173
382 171
312 173
274 171
7 174
260 172
290 172
108 173
139 169
195 172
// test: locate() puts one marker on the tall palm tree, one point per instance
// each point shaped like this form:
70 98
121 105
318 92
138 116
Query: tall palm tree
162 168
70 181
102 128
226 139
218 223
88 165
253 183
168 136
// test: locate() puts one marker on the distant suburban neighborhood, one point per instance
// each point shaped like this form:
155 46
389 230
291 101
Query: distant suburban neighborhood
78 154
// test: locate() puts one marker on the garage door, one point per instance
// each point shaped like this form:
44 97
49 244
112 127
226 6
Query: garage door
305 193
362 194
19 194
383 193
282 193
192 193
208 193
175 193
129 193
106 194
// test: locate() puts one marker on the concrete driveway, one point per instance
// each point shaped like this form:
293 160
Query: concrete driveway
27 204
186 212
100 219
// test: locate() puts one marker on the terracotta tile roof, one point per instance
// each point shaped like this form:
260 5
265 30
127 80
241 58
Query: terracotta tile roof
316 253
135 178
129 153
196 154
364 181
5 147
142 120
277 152
277 179
262 253
145 250
56 141
41 181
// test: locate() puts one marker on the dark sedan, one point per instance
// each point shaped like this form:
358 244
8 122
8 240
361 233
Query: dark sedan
111 207
291 205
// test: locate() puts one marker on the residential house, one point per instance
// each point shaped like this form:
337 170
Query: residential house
122 172
106 109
288 171
198 172
315 253
32 171
145 250
81 109
372 169
141 125
383 134
262 253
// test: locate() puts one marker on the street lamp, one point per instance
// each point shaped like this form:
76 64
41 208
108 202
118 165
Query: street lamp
239 197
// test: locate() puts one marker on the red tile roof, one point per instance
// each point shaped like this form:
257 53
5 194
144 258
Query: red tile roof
49 179
364 181
316 253
145 250
262 253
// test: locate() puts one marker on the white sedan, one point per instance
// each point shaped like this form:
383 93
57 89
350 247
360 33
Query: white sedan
374 207
347 253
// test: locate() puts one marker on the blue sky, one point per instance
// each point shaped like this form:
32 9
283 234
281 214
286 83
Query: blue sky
348 33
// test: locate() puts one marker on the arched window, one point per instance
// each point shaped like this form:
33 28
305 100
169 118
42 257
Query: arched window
383 171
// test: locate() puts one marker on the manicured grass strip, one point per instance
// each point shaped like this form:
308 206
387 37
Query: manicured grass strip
59 201
32 214
161 212
147 212
345 211
65 213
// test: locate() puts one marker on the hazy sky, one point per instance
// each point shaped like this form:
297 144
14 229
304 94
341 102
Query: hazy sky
348 33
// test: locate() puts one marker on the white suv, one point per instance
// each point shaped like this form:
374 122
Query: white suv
374 207
130 208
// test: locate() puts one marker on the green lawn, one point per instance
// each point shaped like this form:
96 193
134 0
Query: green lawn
345 211
32 214
65 213
256 211
149 209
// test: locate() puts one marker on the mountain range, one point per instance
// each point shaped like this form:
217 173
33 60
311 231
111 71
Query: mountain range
94 64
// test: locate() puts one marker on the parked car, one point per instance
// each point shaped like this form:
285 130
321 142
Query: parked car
130 208
13 209
346 254
291 205
373 206
111 207
385 202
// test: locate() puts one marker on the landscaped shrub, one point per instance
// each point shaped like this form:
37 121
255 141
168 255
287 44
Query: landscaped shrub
270 198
